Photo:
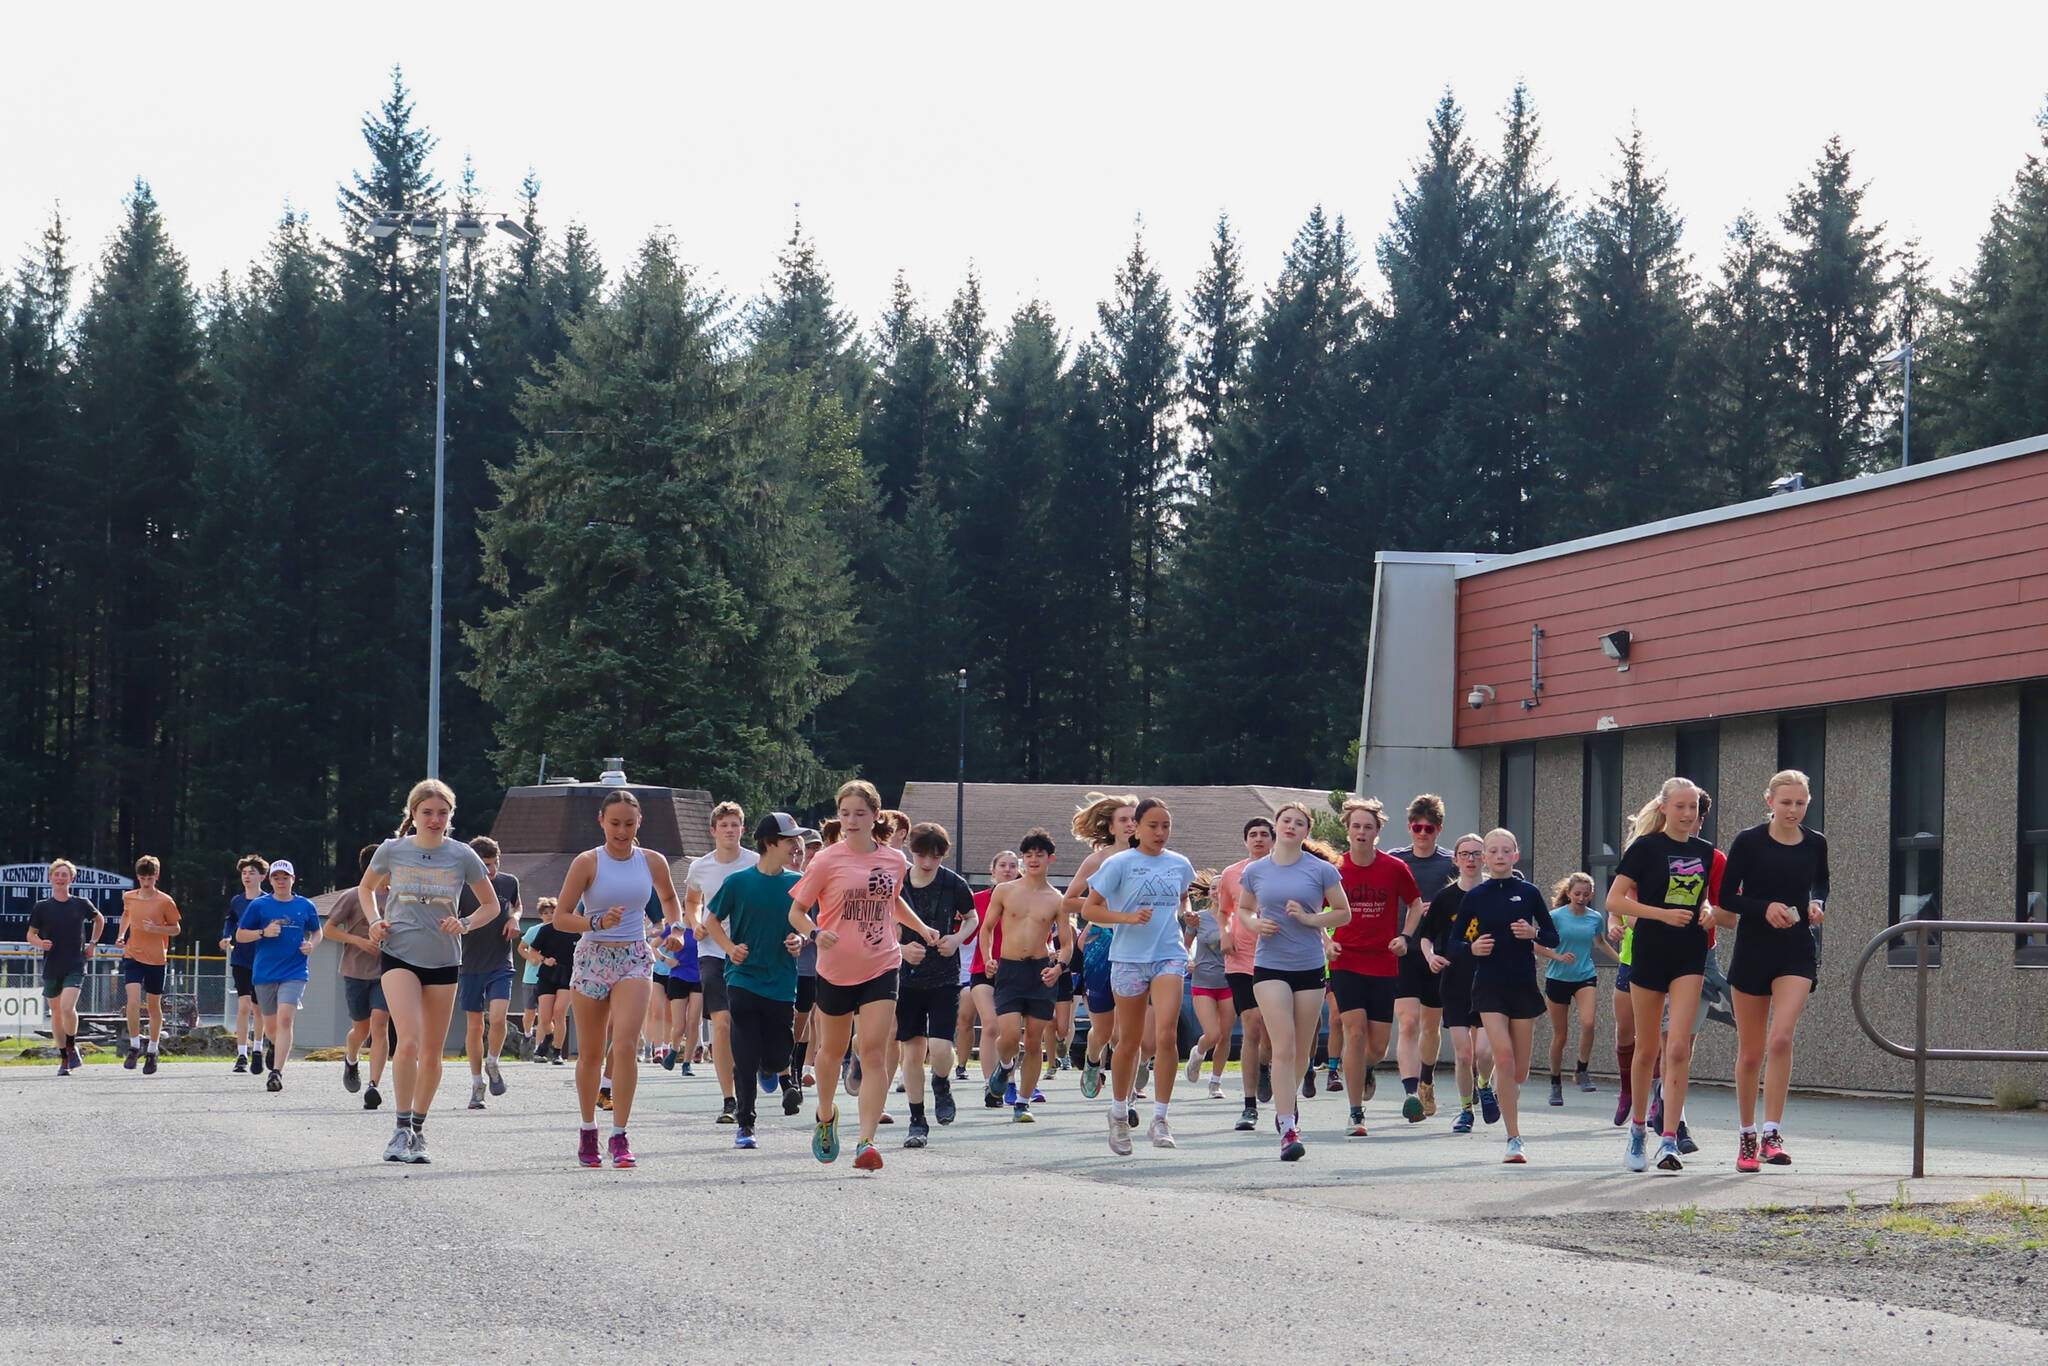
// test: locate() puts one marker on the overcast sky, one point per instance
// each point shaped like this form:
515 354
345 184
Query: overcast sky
1026 140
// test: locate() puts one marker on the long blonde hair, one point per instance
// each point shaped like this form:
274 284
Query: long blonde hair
1093 821
421 790
1650 820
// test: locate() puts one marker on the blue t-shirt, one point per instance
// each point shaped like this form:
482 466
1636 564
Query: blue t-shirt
532 974
239 954
281 959
1132 880
1270 886
1575 934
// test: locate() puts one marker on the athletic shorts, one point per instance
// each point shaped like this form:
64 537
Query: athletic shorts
834 999
53 989
1135 979
1759 961
245 978
1415 979
1357 991
678 989
1063 989
1457 998
711 977
926 1012
600 966
1562 992
1660 961
429 977
271 995
1621 978
1215 993
552 981
1516 1000
806 994
978 979
1021 989
149 976
363 994
1095 974
474 991
1241 991
1297 979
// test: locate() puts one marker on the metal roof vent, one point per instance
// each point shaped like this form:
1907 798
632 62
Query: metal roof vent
614 774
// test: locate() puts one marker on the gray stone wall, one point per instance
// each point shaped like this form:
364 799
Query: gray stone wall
1560 806
1648 757
1488 814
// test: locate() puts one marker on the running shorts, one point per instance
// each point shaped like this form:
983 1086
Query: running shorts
1662 958
53 988
363 994
1516 1000
1095 974
245 978
474 991
679 989
149 976
601 966
1562 992
926 1012
1297 979
834 999
429 977
1415 979
1762 958
1356 991
1135 979
1021 989
271 995
1241 991
806 993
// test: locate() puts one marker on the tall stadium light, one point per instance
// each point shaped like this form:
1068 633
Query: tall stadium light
1903 357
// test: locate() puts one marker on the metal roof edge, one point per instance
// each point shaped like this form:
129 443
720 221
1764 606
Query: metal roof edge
1450 557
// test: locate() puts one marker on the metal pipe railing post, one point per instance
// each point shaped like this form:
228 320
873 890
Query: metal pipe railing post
1920 1051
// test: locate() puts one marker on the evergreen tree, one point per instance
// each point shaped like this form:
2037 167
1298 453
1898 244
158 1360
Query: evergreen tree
912 434
803 331
1746 361
1219 330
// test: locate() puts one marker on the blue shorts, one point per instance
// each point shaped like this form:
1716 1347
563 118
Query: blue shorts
1095 974
364 994
1135 979
474 990
148 976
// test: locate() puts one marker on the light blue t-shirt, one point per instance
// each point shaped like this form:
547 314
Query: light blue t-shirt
1295 947
532 974
1575 933
1132 880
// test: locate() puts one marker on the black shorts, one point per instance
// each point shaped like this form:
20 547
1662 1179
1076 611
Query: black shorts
1456 990
148 976
1762 957
1516 1000
1241 991
806 993
834 999
1063 989
245 979
429 977
711 978
926 1012
552 981
1021 989
979 979
1416 980
1356 991
1302 979
677 989
1662 959
1561 993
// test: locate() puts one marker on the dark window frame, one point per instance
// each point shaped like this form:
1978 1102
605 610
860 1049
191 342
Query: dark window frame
1523 822
1919 742
2031 873
1703 766
1792 732
1600 866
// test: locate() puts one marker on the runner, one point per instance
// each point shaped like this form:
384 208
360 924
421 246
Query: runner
1510 921
1365 970
1418 1004
928 994
526 997
1441 924
1571 977
614 970
1661 885
483 985
978 1002
1107 823
707 873
554 950
682 996
748 919
807 1024
242 960
1209 976
1141 892
1254 1053
1773 889
148 920
1027 915
284 927
856 886
361 988
56 925
415 930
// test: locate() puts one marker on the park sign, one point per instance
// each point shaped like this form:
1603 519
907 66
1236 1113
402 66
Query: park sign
21 1010
22 885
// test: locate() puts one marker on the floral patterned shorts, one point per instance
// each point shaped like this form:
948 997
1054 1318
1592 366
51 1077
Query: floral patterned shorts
600 966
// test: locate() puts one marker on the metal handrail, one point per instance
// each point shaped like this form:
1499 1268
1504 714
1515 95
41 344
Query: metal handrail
1920 1054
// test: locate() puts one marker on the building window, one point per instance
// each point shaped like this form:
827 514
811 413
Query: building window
1518 800
2032 950
1919 732
1603 816
1803 744
1699 758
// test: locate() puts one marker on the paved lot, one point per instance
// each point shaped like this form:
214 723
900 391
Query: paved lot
191 1216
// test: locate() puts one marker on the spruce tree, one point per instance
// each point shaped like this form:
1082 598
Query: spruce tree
1219 331
1746 362
801 329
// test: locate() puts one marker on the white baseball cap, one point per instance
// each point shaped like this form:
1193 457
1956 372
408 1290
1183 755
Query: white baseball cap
283 865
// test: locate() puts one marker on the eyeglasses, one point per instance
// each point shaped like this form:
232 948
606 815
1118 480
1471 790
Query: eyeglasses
1423 827
1467 853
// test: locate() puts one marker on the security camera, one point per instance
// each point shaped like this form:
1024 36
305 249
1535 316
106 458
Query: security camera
1479 696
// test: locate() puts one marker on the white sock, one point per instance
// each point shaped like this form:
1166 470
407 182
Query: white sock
241 1050
1119 1110
1770 1126
135 1041
590 1128
605 1084
1159 1111
1748 1128
152 1045
617 1132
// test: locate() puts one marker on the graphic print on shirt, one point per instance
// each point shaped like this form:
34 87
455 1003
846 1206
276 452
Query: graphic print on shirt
1686 882
873 911
436 886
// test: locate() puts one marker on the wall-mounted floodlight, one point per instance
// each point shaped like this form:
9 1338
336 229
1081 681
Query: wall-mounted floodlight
1615 646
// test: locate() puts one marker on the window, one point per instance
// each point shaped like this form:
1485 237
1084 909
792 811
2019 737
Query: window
1919 731
1803 744
1699 758
1518 799
2032 950
1603 816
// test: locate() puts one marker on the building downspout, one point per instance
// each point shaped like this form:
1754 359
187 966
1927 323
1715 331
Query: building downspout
1372 655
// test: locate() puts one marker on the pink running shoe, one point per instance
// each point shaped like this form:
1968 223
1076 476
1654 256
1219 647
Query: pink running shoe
586 1149
622 1151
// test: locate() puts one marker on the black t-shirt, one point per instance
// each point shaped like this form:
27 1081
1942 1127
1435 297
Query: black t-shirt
1432 874
1760 870
944 903
1671 874
559 945
1439 923
65 924
486 949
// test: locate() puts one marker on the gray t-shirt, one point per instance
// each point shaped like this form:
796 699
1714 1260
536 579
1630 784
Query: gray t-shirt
426 888
1296 947
1208 968
486 949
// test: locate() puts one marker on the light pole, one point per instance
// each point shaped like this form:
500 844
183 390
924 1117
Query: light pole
1903 357
960 787
439 223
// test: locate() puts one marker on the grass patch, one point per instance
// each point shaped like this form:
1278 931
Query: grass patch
1914 1223
2015 1095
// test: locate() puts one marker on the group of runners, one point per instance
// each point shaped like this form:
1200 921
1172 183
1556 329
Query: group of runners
846 956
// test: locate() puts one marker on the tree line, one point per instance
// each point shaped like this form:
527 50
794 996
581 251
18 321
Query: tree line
749 543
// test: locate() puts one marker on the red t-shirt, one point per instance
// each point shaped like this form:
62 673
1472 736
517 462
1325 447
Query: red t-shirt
992 935
1380 894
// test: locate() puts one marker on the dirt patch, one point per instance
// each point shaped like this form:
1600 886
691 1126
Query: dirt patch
1986 1258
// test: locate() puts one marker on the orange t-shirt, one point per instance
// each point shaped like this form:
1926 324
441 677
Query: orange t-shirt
1243 940
146 946
856 896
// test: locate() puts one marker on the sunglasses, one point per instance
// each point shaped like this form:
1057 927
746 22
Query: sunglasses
1423 827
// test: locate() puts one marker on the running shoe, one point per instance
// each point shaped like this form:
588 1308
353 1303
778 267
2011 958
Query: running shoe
1119 1136
1514 1151
587 1153
1291 1148
604 1097
1215 1089
920 1134
496 1074
1585 1081
1657 1107
476 1094
260 1063
1746 1154
134 1056
63 1067
944 1107
149 1063
687 1071
622 1151
1308 1083
540 1053
886 1118
241 1062
1333 1082
1773 1147
1010 1094
1427 1090
1685 1140
416 1149
269 1055
1356 1128
351 1076
770 1083
394 1151
867 1157
999 1084
371 1100
825 1139
744 1139
555 1057
1411 1109
1638 1159
1159 1134
1489 1105
1623 1103
1557 1090
728 1113
1463 1123
960 1074
275 1081
1037 1096
852 1075
1091 1078
1372 1083
1248 1122
792 1100
1021 1114
668 1060
1265 1091
1667 1155
1194 1072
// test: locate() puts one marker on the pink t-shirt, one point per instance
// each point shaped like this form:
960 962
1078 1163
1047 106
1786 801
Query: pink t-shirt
856 896
1244 940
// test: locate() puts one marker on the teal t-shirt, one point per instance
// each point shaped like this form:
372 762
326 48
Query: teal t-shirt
532 974
1575 934
755 908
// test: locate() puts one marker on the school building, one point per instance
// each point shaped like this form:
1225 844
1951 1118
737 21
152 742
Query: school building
1886 635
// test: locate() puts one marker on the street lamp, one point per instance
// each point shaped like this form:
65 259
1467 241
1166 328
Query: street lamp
430 223
960 787
1903 357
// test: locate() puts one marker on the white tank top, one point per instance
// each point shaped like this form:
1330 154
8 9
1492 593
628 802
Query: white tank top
620 882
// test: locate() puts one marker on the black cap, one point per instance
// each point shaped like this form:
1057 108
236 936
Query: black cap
777 825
